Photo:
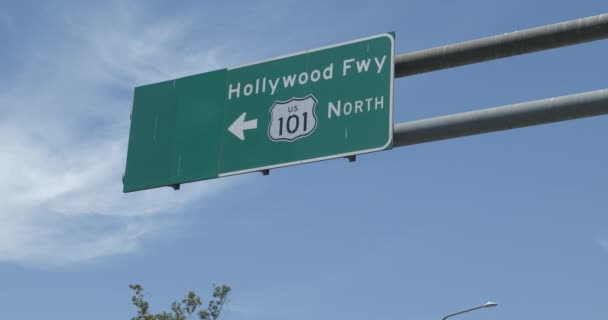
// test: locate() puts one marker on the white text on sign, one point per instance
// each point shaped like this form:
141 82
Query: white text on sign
270 85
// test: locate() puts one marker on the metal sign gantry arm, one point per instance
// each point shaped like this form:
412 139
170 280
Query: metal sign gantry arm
519 115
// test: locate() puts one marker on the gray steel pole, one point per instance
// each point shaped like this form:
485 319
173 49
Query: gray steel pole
502 46
519 115
486 305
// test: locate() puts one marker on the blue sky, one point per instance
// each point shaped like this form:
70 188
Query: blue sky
518 217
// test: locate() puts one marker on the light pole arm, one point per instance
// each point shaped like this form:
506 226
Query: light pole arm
488 304
460 312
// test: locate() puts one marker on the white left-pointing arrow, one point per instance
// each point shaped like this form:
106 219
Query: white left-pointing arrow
239 126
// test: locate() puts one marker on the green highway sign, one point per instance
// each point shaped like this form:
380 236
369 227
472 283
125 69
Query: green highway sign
325 103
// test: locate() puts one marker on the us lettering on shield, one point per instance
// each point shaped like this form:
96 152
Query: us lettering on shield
292 119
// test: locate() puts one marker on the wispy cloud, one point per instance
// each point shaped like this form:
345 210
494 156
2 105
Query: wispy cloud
242 310
604 243
6 22
64 125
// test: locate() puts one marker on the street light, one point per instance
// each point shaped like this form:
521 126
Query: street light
485 305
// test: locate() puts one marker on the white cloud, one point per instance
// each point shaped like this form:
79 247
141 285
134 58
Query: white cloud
64 126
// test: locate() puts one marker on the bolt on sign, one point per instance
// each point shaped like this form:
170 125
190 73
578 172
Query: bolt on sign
325 103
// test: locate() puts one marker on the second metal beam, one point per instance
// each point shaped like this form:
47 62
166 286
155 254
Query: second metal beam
519 115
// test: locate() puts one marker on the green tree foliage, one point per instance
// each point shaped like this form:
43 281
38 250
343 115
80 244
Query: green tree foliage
185 309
